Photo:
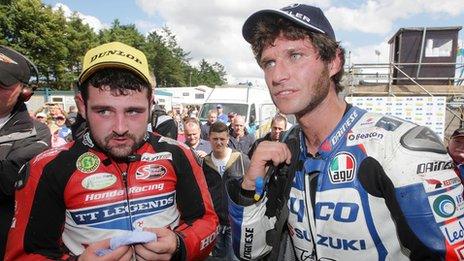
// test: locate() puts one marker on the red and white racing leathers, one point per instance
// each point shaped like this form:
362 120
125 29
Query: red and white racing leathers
76 195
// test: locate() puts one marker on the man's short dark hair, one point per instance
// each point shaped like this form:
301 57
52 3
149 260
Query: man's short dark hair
120 81
267 30
219 126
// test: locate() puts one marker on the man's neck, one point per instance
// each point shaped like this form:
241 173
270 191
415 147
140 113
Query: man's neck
220 154
315 127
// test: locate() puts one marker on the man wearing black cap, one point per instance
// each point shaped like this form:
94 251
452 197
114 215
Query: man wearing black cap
345 184
456 146
21 138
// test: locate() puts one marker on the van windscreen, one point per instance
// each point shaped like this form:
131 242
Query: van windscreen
239 108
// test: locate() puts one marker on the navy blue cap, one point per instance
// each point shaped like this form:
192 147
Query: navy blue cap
309 17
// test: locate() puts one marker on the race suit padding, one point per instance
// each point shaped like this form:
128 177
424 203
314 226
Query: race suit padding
365 196
76 195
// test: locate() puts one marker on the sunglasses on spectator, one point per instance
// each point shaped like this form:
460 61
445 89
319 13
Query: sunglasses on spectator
58 118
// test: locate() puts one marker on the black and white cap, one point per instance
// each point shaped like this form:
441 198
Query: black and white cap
307 16
14 67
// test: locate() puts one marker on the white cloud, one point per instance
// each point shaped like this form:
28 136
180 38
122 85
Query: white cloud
211 29
92 21
379 17
368 54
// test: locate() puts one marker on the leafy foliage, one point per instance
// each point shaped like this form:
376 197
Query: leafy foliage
57 44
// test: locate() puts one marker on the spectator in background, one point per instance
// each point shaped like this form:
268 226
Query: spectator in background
42 117
212 118
240 139
252 125
193 140
21 138
278 127
456 146
63 131
220 166
162 123
230 118
220 113
72 115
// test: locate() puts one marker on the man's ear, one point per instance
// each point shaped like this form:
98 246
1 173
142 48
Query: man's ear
334 65
80 105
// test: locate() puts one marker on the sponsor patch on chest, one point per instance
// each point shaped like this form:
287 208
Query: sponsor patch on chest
150 171
355 138
342 168
87 162
151 157
99 181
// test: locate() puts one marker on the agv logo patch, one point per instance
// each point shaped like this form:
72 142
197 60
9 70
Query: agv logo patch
342 168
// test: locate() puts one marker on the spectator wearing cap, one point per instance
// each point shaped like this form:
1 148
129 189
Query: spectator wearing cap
220 113
21 137
240 139
456 146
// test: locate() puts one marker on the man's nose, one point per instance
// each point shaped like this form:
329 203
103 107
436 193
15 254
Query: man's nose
120 125
280 73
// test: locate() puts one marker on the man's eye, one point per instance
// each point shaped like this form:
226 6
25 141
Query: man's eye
133 112
104 112
295 56
268 64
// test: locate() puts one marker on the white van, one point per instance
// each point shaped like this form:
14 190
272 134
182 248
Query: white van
243 100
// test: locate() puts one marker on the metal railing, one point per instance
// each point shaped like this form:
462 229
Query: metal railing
383 74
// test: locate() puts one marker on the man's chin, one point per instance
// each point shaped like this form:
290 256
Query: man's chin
120 152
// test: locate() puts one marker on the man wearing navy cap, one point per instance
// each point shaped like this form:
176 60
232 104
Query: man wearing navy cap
345 184
21 138
220 114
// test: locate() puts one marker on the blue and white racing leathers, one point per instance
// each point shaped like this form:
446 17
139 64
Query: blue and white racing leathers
379 188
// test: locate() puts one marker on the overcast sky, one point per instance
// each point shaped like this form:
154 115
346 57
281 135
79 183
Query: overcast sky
211 29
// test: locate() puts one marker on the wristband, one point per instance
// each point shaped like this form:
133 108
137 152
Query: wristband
178 244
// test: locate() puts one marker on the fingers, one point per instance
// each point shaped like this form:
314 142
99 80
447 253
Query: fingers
122 253
266 151
161 249
276 152
143 253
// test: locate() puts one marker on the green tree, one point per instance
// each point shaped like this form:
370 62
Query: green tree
47 38
210 75
79 38
167 59
56 44
127 34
